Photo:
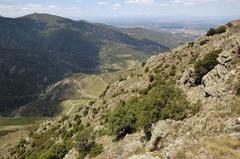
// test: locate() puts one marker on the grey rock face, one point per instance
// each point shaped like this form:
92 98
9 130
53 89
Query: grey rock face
188 79
214 81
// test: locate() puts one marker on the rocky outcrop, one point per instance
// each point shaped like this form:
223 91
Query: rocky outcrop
188 78
172 138
72 154
144 156
215 81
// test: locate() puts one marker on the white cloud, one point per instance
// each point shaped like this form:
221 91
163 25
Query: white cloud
176 3
140 1
24 9
189 2
237 2
52 6
116 6
102 3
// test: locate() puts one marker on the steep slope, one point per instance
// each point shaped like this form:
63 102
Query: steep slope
31 44
24 74
182 104
72 89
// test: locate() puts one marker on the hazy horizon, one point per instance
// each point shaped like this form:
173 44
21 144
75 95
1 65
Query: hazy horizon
102 10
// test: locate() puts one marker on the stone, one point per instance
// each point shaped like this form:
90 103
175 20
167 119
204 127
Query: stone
188 77
72 154
143 156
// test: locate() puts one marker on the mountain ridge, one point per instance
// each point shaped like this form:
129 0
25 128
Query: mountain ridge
74 46
181 104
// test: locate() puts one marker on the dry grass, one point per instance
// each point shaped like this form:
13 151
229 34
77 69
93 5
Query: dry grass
235 106
93 86
72 106
224 148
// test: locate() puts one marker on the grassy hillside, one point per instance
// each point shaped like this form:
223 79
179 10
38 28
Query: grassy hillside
93 86
115 56
68 95
9 125
71 106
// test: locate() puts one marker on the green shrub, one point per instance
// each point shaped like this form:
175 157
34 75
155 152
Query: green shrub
55 152
79 121
65 117
172 71
95 110
63 132
161 102
202 67
44 146
203 42
88 124
76 117
122 120
151 79
221 29
211 32
91 103
179 57
85 144
143 64
122 79
95 150
52 151
146 69
229 25
238 88
85 112
190 44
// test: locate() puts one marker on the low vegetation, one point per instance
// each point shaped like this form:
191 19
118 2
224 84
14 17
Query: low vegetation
219 30
238 88
19 121
55 143
203 42
9 125
140 113
224 147
85 144
146 69
202 67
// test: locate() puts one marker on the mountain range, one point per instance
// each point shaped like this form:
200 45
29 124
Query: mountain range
39 49
181 104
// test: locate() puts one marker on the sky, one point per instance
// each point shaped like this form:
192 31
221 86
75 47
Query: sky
84 9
